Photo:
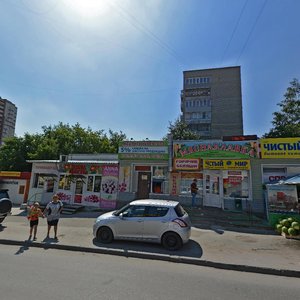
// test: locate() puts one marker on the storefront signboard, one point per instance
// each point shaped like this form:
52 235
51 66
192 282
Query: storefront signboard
192 164
9 174
226 164
215 149
143 150
83 168
280 148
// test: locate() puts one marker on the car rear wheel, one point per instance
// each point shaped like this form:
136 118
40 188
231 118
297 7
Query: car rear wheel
105 235
1 220
171 241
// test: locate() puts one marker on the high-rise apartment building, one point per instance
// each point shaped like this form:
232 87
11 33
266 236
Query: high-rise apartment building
8 116
211 102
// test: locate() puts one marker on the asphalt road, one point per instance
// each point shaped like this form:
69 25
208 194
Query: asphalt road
34 273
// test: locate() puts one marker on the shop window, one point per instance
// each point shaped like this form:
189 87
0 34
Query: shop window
90 183
21 189
216 185
39 181
236 186
79 186
64 182
157 187
50 185
97 185
159 176
207 184
185 186
93 183
67 185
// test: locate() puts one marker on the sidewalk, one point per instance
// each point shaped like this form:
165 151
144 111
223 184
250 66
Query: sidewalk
261 251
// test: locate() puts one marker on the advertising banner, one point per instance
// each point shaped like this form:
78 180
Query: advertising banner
174 182
215 149
144 150
282 197
192 164
109 186
280 148
226 164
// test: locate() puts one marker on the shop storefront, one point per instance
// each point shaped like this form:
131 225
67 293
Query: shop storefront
17 184
88 180
143 170
223 170
279 164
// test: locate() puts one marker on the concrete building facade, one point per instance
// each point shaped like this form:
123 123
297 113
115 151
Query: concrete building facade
211 102
8 117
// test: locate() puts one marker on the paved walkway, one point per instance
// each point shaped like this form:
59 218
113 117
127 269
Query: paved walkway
253 251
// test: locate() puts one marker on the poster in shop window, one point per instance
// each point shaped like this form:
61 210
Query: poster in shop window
109 187
282 197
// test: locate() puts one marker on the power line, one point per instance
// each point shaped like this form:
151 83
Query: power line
140 27
234 30
252 29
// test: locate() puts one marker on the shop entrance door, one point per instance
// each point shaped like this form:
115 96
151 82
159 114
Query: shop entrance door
213 189
78 191
144 182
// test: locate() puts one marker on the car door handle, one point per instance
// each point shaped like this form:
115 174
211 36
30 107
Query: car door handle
140 221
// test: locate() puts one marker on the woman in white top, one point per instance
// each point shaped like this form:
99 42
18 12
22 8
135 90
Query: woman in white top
52 211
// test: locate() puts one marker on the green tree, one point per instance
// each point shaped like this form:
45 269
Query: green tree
53 141
15 151
286 122
115 139
180 131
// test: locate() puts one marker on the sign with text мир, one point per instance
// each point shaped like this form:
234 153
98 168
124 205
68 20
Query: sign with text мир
226 164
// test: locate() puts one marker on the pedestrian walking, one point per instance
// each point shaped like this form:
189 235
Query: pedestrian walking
52 211
194 191
33 215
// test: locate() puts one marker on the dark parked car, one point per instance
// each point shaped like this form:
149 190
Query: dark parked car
5 204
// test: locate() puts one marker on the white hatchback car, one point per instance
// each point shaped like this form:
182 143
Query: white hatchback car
158 221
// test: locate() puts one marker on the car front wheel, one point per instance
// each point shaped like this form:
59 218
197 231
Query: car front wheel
171 241
105 235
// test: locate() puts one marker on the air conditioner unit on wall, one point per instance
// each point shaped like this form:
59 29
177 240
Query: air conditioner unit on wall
63 158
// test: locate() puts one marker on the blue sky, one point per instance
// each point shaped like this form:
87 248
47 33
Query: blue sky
118 64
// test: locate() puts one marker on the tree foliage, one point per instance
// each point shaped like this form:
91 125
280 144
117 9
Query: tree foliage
54 141
180 131
286 122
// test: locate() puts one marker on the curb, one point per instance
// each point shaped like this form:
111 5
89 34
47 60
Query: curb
160 257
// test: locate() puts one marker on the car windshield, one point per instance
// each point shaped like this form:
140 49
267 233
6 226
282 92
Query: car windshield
180 212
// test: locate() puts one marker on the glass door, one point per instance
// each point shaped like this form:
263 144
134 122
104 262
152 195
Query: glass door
213 189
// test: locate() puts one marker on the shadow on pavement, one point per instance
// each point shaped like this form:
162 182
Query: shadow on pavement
2 227
191 249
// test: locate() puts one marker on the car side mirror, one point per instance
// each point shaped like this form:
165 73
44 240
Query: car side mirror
123 215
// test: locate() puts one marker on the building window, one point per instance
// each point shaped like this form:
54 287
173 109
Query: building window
21 189
159 180
94 183
38 181
64 182
236 184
